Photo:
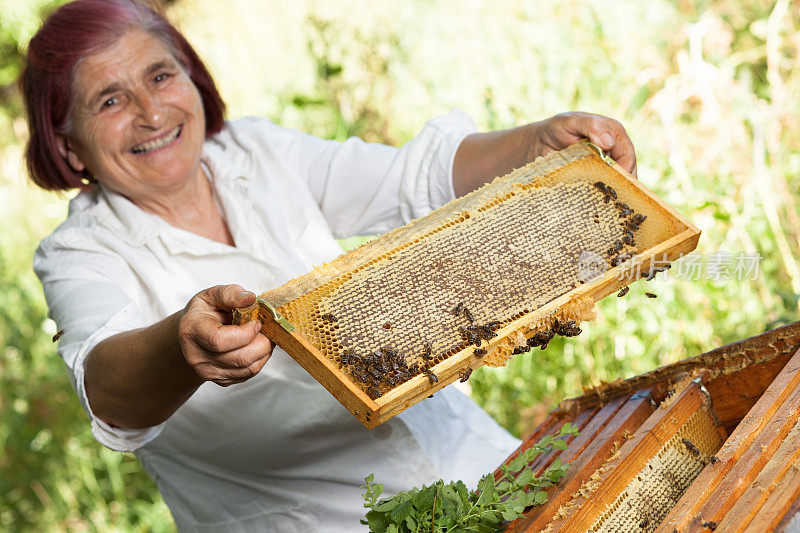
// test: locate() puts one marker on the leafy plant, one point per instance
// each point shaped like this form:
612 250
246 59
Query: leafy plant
445 507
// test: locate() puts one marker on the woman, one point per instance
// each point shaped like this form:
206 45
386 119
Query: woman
176 200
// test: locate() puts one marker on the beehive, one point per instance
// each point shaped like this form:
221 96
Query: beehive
486 276
654 453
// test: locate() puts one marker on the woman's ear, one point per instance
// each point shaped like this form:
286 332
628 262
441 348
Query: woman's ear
69 154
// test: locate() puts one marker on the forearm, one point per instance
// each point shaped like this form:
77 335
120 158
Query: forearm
137 379
484 156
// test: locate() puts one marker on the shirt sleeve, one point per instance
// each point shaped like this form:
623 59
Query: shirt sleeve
86 301
369 188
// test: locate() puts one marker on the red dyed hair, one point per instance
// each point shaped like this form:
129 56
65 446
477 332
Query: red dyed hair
72 32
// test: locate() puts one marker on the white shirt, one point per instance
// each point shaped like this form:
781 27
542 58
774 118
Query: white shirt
277 452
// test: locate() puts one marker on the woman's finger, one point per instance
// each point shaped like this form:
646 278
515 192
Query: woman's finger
246 355
214 337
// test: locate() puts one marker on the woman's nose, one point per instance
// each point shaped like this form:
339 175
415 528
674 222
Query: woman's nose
151 112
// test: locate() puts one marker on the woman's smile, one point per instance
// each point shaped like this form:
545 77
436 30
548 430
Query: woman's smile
158 143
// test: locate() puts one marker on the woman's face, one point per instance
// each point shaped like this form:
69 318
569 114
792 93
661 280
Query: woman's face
137 119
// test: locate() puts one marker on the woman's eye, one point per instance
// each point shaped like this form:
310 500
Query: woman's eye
161 77
109 102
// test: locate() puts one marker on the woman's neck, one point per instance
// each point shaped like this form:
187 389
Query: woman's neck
193 209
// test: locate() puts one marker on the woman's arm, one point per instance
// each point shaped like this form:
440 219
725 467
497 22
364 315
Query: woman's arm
484 156
137 379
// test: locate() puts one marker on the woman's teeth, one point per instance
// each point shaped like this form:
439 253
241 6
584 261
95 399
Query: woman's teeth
158 143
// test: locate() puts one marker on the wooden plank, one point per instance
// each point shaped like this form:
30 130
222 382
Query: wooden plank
762 506
749 465
632 457
764 355
733 449
791 515
736 393
586 462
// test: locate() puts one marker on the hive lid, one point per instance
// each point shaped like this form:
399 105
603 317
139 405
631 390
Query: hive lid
498 270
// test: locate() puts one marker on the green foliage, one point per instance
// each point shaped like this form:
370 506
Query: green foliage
707 91
445 507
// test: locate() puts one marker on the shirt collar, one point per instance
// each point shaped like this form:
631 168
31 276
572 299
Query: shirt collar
138 227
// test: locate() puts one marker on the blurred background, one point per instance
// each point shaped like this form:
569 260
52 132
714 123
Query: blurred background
708 91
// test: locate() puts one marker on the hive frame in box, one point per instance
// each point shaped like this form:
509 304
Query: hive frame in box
372 412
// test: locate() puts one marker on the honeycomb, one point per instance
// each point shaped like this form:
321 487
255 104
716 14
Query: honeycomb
647 500
451 281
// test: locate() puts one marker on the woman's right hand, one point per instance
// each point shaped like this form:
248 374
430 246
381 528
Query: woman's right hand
217 350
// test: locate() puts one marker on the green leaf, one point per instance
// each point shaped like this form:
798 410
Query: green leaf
487 493
509 515
411 524
401 511
385 506
504 486
524 478
537 498
559 444
517 464
423 500
392 529
377 522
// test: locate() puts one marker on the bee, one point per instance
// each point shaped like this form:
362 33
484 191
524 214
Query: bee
468 315
713 459
623 291
58 335
431 376
694 450
493 325
618 245
426 354
611 192
628 237
710 525
391 380
349 357
631 224
479 352
373 392
374 371
644 523
520 349
458 309
329 317
651 295
465 374
387 325
360 375
600 185
639 218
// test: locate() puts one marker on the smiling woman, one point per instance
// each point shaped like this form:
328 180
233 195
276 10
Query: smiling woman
179 206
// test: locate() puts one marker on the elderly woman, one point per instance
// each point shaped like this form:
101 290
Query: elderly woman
175 200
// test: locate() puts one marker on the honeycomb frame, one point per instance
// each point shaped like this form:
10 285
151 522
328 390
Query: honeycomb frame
668 236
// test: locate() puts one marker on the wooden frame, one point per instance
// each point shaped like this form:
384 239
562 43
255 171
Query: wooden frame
372 412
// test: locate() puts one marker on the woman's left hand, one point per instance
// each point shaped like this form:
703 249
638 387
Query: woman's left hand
564 129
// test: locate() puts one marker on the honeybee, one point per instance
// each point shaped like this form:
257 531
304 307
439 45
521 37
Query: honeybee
479 352
431 376
329 317
458 309
694 450
465 374
58 335
651 295
623 291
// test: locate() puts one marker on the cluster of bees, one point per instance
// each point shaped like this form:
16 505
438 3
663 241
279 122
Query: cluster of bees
631 222
567 328
385 368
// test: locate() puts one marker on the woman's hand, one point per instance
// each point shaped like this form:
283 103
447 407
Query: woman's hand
215 349
565 129
482 156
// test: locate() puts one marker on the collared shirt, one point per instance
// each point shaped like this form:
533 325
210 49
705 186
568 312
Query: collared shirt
277 452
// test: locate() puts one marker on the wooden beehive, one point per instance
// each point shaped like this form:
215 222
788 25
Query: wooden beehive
389 323
712 442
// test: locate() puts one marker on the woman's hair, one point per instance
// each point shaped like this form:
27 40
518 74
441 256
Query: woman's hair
72 32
